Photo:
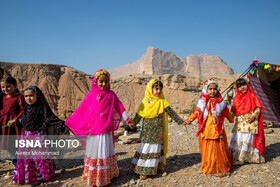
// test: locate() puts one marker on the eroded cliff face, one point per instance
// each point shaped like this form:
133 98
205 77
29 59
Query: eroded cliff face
65 87
182 92
158 62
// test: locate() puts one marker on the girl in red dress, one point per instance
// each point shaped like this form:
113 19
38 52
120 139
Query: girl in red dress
13 104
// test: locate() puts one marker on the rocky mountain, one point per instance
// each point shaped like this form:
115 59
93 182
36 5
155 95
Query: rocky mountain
158 62
65 87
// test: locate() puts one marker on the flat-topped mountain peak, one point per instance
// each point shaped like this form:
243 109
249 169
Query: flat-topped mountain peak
159 62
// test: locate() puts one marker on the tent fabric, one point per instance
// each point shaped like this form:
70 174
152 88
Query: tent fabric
270 100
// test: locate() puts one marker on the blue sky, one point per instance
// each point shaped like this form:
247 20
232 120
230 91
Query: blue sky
90 34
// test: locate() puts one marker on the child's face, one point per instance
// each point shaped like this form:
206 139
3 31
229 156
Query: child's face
243 88
103 82
212 90
8 88
157 90
30 97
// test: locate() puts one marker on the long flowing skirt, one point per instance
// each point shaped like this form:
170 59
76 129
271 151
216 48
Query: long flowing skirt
148 159
32 167
100 160
215 157
242 149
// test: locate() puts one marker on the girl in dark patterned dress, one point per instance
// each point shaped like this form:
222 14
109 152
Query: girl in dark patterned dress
13 104
36 119
150 156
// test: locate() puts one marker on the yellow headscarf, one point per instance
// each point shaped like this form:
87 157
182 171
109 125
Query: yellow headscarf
152 106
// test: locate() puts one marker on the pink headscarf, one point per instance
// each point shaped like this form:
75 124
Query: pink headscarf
100 111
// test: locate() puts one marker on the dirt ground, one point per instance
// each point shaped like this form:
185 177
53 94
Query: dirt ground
183 165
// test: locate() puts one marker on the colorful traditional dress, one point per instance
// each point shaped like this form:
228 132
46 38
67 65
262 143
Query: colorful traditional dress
211 112
98 116
248 142
12 108
35 121
151 154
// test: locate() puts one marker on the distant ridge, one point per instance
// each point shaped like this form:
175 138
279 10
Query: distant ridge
158 62
65 87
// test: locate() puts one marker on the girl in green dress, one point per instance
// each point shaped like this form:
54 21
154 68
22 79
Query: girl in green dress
150 156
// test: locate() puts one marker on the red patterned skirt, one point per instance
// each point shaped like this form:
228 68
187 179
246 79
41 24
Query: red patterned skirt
100 160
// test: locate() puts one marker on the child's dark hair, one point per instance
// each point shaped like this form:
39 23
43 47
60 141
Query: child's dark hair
30 88
158 83
10 80
240 82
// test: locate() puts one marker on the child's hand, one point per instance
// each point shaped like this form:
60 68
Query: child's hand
12 121
252 118
131 125
186 122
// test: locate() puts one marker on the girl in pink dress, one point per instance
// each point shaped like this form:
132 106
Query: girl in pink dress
98 116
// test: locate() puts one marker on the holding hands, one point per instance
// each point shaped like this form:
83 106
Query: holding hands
131 124
186 122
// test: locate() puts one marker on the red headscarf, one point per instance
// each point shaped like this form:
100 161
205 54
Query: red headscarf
244 103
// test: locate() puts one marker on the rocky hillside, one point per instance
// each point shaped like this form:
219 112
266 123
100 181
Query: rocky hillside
65 87
182 92
158 62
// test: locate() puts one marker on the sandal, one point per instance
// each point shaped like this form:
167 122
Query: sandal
143 177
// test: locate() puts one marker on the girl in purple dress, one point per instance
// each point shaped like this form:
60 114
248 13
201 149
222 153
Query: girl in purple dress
36 119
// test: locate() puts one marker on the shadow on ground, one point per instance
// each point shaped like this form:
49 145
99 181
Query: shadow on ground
174 163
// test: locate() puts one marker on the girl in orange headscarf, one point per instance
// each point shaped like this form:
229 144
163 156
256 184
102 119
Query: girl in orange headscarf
247 143
211 110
